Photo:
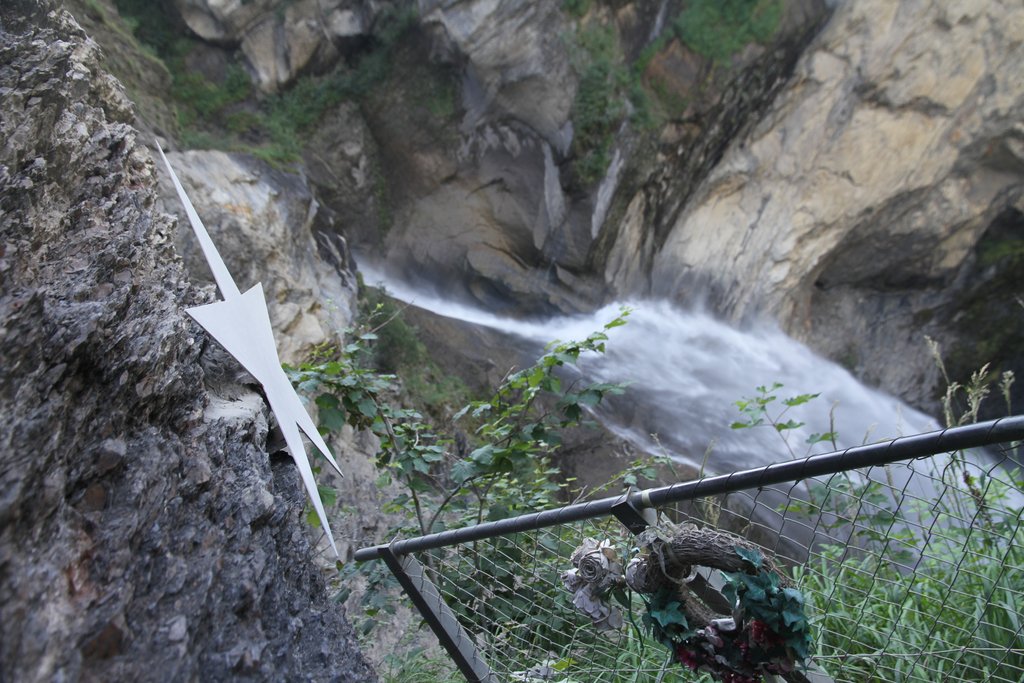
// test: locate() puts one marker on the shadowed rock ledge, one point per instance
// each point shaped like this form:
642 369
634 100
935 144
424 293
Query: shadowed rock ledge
145 534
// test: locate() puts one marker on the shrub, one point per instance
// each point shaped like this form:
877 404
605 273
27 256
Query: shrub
598 109
503 470
720 28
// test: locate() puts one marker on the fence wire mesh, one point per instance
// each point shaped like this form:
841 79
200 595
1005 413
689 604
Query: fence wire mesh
911 571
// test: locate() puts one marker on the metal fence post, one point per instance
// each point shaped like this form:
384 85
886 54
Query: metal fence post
439 616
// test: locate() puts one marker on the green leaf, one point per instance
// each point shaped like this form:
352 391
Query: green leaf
669 614
563 664
794 595
551 384
563 358
800 399
309 386
729 591
792 617
818 438
754 594
328 495
750 555
419 485
483 455
367 407
331 415
789 424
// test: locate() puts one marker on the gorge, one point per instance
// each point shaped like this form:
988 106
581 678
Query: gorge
799 192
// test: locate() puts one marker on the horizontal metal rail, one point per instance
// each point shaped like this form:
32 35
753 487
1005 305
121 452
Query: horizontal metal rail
904 448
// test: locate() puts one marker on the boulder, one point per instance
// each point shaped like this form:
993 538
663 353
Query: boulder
517 62
280 40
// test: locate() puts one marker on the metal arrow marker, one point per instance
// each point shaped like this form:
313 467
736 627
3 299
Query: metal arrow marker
242 326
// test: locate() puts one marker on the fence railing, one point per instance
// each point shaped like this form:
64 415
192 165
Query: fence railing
908 554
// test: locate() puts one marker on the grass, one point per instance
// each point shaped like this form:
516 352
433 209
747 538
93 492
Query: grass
417 665
938 600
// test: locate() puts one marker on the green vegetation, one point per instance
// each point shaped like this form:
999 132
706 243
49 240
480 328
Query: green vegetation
997 251
576 8
906 602
876 599
909 589
599 108
503 469
417 665
230 114
152 24
756 413
720 28
516 433
609 87
398 351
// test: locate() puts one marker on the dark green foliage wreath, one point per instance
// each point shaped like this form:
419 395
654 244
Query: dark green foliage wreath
767 632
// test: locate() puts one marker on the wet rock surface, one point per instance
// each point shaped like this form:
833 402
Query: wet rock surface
852 212
145 534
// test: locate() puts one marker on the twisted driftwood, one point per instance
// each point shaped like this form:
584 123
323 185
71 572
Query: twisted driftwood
668 561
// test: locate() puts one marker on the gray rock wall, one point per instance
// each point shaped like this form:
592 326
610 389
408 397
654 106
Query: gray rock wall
145 534
835 180
852 211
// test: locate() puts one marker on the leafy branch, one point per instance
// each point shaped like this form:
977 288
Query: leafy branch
757 413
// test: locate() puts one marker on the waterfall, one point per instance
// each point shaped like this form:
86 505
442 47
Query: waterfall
605 193
685 371
659 22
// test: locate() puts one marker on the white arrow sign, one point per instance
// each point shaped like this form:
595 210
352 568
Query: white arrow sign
242 326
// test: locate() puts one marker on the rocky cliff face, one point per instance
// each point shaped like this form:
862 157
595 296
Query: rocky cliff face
281 40
512 219
269 226
851 213
145 534
840 174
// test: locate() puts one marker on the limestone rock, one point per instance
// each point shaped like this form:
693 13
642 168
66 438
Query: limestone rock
709 104
521 229
262 221
280 41
518 62
342 163
144 533
862 193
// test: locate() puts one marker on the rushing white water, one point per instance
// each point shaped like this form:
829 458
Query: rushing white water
686 370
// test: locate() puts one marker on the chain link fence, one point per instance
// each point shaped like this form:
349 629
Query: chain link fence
909 556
